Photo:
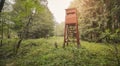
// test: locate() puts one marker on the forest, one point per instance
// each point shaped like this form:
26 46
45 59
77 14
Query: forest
30 36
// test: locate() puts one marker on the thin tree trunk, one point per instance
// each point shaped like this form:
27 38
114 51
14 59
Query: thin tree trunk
18 46
1 43
22 36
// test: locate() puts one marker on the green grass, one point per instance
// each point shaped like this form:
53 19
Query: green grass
42 52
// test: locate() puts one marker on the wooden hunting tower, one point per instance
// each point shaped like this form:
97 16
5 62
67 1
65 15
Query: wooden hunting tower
71 33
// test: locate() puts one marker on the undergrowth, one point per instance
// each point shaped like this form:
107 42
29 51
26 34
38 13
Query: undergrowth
42 52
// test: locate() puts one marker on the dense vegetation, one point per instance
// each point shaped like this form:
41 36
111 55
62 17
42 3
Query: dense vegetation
59 29
99 20
29 34
42 52
28 18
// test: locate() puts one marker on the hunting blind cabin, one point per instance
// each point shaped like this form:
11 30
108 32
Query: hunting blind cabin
71 33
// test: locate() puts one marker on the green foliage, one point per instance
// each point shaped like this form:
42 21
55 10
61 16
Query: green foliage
59 29
96 17
42 52
43 24
39 24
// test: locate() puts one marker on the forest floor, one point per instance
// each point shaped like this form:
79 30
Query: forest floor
43 52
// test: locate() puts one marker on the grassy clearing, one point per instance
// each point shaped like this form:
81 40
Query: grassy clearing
42 52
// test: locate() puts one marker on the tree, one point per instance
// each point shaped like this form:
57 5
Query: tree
28 25
59 29
96 18
42 22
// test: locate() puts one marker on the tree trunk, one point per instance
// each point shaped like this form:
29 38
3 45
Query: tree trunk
17 46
